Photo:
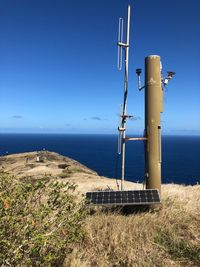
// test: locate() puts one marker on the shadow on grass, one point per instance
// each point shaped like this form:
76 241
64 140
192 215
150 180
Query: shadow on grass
123 210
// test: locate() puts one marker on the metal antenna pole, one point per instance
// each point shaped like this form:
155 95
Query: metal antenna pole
125 96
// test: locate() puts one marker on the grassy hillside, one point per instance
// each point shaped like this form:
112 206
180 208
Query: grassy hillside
167 237
52 225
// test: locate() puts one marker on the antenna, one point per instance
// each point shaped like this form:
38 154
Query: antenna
153 90
122 128
120 40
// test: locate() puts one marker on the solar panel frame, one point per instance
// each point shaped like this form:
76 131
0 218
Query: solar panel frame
123 198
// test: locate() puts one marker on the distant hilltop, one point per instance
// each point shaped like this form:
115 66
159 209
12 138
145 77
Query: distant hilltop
39 163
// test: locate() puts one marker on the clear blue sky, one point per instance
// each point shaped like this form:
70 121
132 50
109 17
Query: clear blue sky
58 64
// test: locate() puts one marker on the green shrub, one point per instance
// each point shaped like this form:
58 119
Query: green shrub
40 220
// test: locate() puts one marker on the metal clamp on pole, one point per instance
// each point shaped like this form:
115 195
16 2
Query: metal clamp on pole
122 44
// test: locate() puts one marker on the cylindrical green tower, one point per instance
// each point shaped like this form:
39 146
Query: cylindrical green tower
153 108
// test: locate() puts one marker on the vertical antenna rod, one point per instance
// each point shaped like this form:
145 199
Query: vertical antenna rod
125 95
120 40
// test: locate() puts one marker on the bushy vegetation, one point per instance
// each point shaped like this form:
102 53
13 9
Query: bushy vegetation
40 220
44 224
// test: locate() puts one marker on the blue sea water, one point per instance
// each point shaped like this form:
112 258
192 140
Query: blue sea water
180 154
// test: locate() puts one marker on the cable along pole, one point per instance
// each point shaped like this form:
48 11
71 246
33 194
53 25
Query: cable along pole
122 127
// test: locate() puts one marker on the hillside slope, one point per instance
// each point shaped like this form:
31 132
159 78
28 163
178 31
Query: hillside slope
169 236
40 163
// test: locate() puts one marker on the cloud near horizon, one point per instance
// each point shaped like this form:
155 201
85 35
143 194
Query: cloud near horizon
17 117
96 118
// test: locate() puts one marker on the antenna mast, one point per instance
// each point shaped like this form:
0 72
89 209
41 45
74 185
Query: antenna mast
153 88
122 127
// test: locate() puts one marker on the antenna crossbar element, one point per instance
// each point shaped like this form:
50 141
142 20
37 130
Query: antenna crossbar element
122 44
127 116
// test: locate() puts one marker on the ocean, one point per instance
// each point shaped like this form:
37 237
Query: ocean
180 154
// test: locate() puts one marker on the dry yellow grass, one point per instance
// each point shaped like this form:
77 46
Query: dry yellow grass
167 237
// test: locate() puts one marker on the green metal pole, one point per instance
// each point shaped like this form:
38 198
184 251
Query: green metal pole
153 108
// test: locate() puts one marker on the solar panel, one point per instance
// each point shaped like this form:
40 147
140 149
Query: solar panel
129 197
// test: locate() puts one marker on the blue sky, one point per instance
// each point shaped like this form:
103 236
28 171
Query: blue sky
58 69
